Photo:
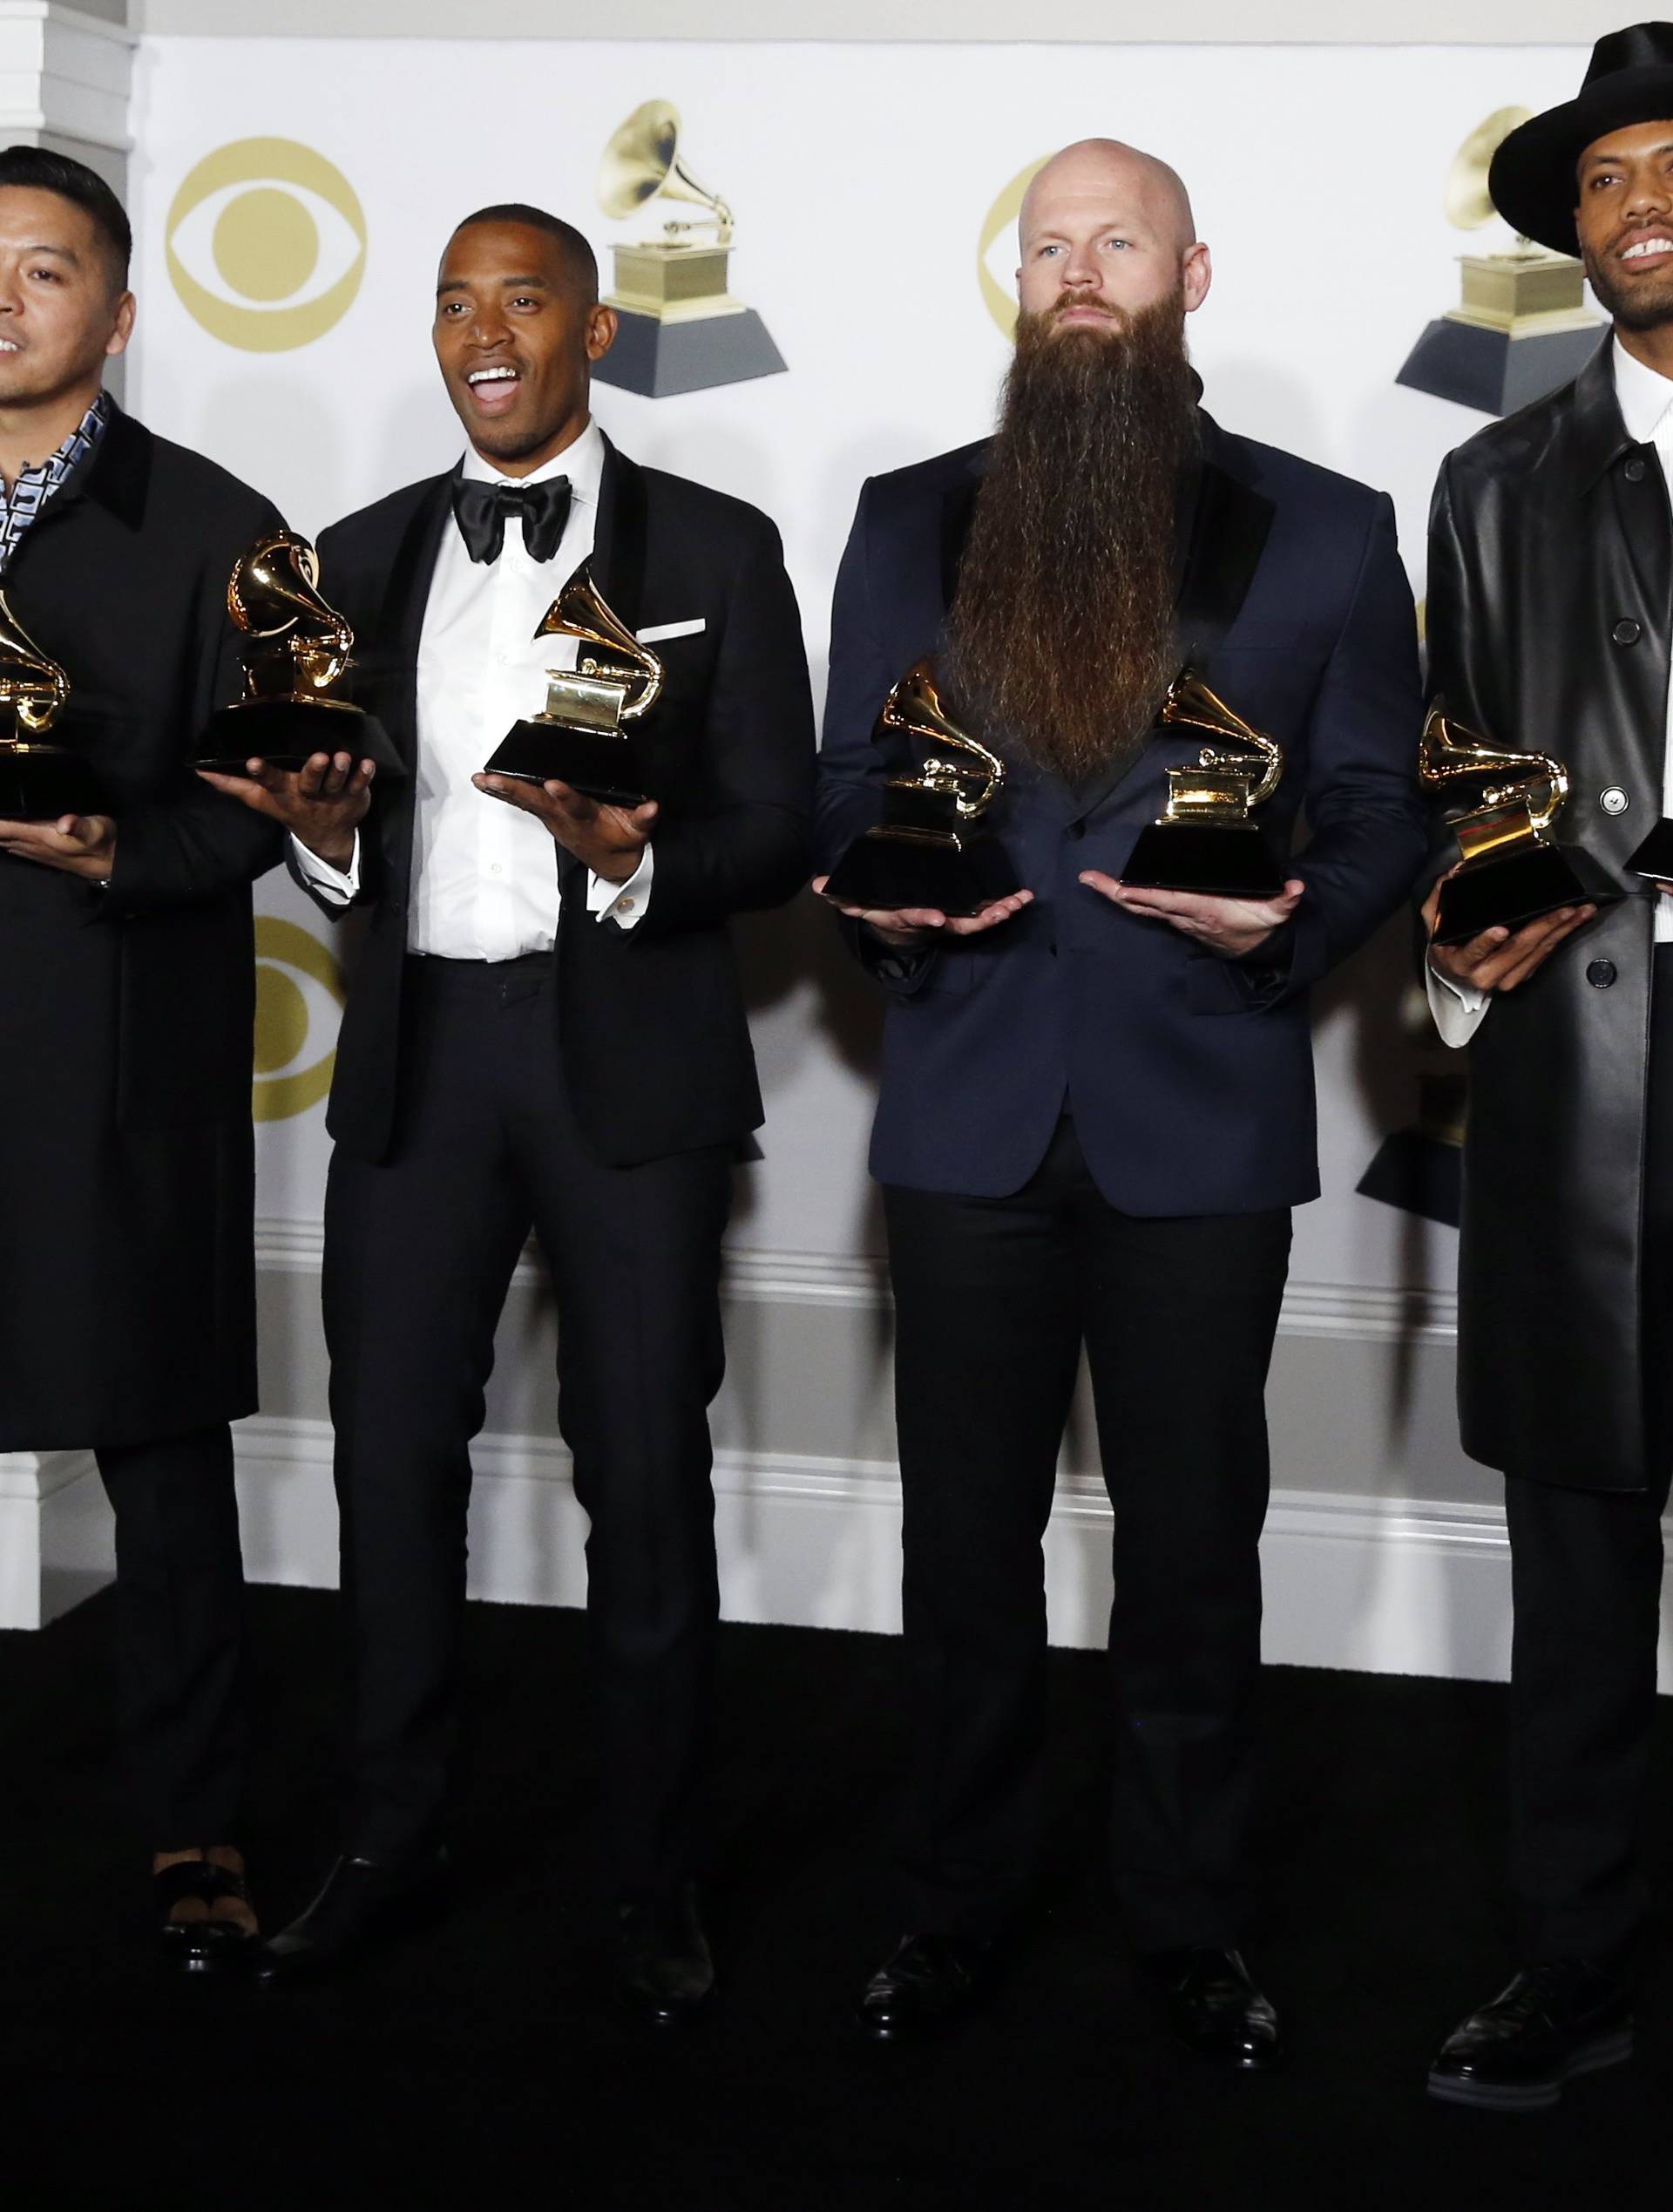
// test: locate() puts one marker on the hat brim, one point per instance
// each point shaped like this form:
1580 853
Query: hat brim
1531 180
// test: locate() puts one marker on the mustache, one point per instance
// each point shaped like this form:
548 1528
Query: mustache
1067 299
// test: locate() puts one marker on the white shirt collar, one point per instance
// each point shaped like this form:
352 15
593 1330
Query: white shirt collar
581 462
1644 395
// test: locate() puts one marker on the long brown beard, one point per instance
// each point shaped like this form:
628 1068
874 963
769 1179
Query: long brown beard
1060 636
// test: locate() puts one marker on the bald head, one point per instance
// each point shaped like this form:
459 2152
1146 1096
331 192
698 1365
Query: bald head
1111 225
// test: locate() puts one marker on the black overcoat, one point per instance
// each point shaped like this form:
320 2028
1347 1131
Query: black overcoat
654 1037
126 1166
1550 612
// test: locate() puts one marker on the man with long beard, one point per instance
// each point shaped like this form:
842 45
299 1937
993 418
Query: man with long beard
1097 1104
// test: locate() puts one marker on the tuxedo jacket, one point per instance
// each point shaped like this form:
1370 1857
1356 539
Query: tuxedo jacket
1190 1075
128 1292
651 1022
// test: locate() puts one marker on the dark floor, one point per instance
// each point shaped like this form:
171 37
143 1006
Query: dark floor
482 2066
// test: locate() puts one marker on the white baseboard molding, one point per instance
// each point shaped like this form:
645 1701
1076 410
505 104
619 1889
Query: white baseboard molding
1392 1587
1388 1586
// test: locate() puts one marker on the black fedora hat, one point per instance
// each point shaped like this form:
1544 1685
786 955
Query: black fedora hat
1531 178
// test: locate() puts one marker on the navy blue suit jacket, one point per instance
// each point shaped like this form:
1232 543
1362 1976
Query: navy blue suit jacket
1190 1077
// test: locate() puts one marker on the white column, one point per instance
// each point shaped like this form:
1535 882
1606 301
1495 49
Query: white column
55 1535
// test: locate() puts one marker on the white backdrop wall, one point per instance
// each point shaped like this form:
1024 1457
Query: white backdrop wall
862 182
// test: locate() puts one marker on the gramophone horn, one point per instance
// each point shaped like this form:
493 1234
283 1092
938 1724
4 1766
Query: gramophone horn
642 162
1467 203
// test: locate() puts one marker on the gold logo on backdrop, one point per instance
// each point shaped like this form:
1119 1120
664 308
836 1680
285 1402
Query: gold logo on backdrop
284 1020
267 244
1001 217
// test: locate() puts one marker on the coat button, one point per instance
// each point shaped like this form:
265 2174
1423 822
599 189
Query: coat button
1626 632
1615 800
1600 974
1634 471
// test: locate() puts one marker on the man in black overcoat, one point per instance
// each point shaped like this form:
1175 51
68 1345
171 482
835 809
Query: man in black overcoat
545 1029
127 1297
1550 580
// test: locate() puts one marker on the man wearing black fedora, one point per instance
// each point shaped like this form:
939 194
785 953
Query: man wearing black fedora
1550 580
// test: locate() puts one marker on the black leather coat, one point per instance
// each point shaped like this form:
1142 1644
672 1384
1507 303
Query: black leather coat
1550 608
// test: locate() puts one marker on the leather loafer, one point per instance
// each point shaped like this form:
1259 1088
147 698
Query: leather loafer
362 1905
1556 2019
926 1984
1215 2007
664 1968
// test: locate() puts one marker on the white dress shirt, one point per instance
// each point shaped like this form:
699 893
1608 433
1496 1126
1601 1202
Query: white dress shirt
1646 402
485 875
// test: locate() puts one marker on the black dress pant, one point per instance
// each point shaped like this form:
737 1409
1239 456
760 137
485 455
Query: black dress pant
419 1253
1586 1570
994 1299
179 1604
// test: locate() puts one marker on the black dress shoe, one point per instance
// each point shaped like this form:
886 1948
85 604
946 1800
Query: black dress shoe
664 1969
362 1905
203 1946
1556 2019
1216 2008
925 1985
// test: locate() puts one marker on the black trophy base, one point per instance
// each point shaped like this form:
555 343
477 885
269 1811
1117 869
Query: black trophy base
1218 860
1505 894
1493 371
659 359
1420 1174
287 733
42 784
1654 858
589 761
887 873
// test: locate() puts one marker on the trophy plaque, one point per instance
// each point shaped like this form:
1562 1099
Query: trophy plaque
678 328
1521 329
39 779
1513 869
1654 858
930 848
578 738
1207 840
296 651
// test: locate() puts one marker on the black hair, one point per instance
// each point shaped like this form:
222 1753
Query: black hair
36 169
580 262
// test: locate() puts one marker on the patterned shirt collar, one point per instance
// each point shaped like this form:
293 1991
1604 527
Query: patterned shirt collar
35 485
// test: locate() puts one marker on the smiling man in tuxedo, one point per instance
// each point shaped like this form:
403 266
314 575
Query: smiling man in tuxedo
1097 1101
546 1030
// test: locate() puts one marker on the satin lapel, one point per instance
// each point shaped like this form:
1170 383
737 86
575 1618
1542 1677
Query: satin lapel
1227 536
405 598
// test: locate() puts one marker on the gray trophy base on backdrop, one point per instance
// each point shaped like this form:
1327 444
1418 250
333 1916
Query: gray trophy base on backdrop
1217 859
287 732
598 765
659 359
45 781
1492 371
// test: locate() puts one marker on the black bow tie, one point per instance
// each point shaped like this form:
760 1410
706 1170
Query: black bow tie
481 509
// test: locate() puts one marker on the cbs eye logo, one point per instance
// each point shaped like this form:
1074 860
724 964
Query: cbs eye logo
285 1013
267 244
995 270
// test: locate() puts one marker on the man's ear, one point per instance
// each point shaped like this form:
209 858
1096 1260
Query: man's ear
122 329
602 324
1196 274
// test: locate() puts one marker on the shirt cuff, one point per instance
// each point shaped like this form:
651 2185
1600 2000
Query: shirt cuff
1458 1007
624 904
340 885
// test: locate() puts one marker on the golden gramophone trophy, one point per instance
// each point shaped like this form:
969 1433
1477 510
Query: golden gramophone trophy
1513 869
578 738
1208 839
931 849
681 329
1521 329
39 780
296 652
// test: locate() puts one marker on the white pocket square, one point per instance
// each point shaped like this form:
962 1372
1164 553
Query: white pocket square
659 630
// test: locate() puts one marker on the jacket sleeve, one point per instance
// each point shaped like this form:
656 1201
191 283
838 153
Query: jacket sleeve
751 849
191 843
851 769
1362 801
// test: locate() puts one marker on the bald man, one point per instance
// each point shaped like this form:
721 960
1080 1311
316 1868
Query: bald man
1097 1102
